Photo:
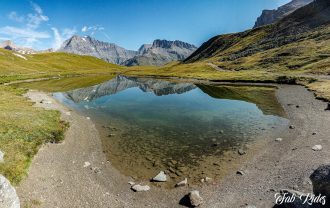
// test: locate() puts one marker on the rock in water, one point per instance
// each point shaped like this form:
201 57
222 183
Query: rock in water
182 183
321 181
139 188
8 196
161 177
195 198
317 148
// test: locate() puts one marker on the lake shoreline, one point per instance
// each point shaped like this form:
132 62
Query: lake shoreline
57 176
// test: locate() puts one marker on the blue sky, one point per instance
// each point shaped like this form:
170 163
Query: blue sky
44 24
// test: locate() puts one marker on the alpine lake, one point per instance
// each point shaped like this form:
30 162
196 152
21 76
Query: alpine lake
186 129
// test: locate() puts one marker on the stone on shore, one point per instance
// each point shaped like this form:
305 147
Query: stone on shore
8 196
321 181
195 198
317 147
241 152
139 188
161 177
278 139
182 183
86 164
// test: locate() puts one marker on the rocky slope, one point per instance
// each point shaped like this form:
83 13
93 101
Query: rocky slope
120 83
161 52
298 41
272 16
89 46
9 45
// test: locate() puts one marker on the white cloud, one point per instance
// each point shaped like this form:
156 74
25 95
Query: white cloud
84 29
15 17
60 37
34 20
92 29
28 34
25 36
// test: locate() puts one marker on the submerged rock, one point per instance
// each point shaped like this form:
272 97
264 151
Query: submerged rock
139 188
161 177
195 198
8 196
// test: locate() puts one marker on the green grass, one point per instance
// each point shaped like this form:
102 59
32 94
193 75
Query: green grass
23 129
51 64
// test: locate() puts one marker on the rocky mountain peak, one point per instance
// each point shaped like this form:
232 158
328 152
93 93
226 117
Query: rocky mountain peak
168 44
272 16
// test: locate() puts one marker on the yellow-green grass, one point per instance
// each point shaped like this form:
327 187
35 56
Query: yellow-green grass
13 67
321 89
23 129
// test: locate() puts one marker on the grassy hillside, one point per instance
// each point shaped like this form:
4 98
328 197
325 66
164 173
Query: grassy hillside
13 67
298 43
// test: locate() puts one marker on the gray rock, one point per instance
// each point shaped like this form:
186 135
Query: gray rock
241 152
161 52
182 183
321 181
195 198
8 196
317 147
272 16
139 188
161 177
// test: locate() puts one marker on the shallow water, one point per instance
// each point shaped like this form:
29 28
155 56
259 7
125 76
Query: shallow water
188 130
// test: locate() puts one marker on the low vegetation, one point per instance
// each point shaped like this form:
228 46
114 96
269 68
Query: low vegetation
23 129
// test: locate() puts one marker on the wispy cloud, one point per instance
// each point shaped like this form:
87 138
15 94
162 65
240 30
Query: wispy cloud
60 37
28 34
36 18
92 29
15 17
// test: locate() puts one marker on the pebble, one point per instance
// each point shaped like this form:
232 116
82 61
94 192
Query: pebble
88 118
278 139
182 183
86 164
161 177
291 127
68 113
195 198
239 172
139 188
241 152
131 183
317 147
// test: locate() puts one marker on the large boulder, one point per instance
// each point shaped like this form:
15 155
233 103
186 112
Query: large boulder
8 196
321 181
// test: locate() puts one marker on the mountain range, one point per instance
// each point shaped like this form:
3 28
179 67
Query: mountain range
158 53
272 16
9 45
